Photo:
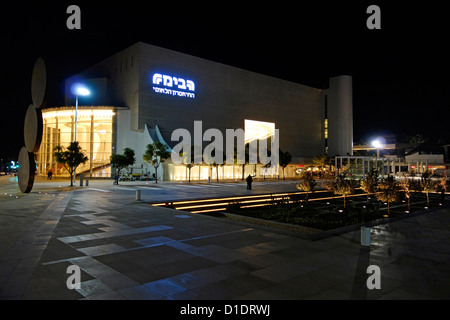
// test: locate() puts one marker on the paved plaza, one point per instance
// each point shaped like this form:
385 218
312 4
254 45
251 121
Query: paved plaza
129 250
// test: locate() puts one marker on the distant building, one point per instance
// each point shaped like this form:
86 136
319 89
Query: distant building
427 155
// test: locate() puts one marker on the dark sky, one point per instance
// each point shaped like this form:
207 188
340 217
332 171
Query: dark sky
400 73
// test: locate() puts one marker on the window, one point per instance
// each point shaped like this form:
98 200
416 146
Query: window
258 130
94 133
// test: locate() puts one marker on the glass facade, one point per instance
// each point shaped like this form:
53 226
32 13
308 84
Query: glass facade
258 130
94 133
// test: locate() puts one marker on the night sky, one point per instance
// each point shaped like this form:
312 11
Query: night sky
400 73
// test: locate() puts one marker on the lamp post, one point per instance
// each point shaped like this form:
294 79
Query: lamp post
79 90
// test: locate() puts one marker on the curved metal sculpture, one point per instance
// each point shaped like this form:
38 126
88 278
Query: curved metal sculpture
33 127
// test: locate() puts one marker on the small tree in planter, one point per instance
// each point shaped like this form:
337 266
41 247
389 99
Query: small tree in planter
443 184
342 186
353 185
388 190
330 186
406 184
429 185
369 183
307 183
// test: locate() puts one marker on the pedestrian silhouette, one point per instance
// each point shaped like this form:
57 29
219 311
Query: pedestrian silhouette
249 182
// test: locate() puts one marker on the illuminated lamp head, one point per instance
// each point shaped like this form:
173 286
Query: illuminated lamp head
378 143
80 90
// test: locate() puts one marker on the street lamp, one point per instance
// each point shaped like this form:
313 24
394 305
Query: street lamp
377 144
79 90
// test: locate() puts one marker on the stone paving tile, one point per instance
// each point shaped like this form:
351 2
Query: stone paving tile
93 288
163 287
128 250
188 280
139 292
241 285
153 241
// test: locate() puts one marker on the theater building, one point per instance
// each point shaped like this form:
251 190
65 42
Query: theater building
143 93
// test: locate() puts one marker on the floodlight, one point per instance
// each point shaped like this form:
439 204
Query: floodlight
376 144
81 90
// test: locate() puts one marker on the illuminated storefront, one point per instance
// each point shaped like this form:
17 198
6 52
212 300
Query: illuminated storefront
94 133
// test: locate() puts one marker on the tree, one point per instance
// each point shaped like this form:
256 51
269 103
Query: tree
443 182
388 190
342 186
406 184
188 161
307 183
70 157
265 166
321 160
285 158
209 160
330 185
369 183
428 185
156 154
216 166
120 161
246 158
353 183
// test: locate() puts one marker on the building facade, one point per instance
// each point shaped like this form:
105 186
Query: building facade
152 91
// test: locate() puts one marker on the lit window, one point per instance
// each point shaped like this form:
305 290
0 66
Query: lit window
258 130
94 133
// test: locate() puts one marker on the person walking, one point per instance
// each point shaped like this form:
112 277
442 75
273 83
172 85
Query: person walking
249 182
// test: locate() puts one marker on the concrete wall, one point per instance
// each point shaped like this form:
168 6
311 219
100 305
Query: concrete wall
121 87
340 116
429 158
225 96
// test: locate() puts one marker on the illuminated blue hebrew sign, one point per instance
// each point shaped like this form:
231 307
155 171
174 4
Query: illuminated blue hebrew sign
173 86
